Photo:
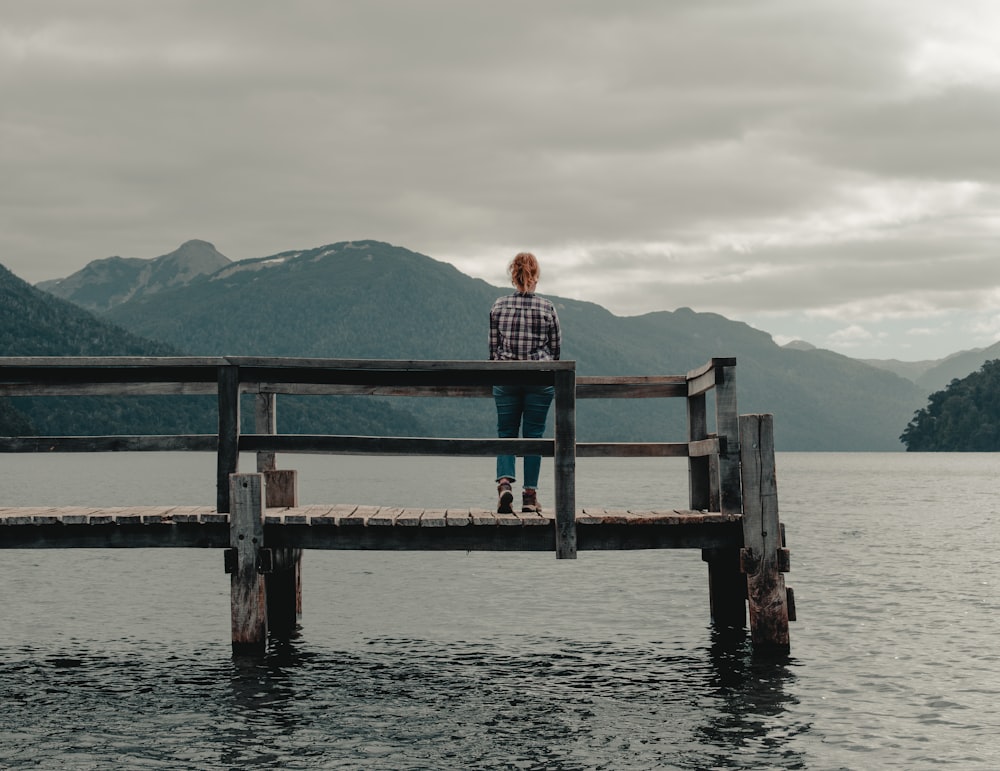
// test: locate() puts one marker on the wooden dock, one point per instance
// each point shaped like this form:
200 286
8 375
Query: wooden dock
362 527
731 513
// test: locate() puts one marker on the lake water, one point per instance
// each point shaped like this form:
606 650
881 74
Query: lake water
121 659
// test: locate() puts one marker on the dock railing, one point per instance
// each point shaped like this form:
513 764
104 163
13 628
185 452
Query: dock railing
713 458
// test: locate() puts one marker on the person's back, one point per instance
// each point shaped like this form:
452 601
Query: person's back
523 327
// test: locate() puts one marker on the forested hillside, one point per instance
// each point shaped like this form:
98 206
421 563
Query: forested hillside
34 323
965 416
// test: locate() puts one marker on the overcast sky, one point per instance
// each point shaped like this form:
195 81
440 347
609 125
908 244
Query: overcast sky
823 169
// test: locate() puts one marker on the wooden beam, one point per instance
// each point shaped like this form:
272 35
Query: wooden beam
766 594
248 599
564 464
631 387
265 422
727 587
632 450
122 443
389 445
728 430
699 486
229 432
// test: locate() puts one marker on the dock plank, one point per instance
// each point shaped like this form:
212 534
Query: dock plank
353 526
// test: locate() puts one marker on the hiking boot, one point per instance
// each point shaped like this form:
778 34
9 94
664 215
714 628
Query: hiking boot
529 502
506 497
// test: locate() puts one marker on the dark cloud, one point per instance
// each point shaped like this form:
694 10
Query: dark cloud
773 156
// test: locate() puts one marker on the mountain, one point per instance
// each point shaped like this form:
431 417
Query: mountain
934 374
957 366
102 284
911 370
371 299
34 323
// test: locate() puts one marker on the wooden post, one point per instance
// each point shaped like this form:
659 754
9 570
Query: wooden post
727 587
565 463
284 584
726 583
229 433
246 537
265 422
728 430
762 542
698 467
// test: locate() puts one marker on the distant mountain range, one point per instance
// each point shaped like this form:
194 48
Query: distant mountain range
103 284
371 299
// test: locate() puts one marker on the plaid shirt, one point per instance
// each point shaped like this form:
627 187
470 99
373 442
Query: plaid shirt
524 326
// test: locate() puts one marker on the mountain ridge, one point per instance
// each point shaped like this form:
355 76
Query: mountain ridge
369 299
102 284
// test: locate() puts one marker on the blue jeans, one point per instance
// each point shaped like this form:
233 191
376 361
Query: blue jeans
525 408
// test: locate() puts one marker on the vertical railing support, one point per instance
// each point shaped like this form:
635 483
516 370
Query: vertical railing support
564 463
248 603
265 420
229 433
699 484
708 477
284 584
762 543
727 428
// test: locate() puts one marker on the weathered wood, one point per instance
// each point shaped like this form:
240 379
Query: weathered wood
458 517
107 389
392 445
284 584
565 464
727 587
590 387
434 518
766 595
699 484
631 387
706 377
282 488
394 365
632 450
208 363
701 448
229 432
728 431
266 422
119 443
392 374
337 527
248 599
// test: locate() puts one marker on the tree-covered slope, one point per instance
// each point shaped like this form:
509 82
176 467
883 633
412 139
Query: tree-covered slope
34 323
964 417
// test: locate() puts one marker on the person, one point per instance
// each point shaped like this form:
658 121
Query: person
523 326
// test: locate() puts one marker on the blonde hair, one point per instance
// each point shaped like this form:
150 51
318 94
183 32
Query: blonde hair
524 271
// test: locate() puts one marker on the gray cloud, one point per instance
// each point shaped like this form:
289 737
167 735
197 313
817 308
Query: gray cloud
771 157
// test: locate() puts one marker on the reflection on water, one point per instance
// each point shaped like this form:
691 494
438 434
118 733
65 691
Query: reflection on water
398 703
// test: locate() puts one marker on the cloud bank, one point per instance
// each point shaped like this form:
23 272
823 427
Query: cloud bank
822 170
